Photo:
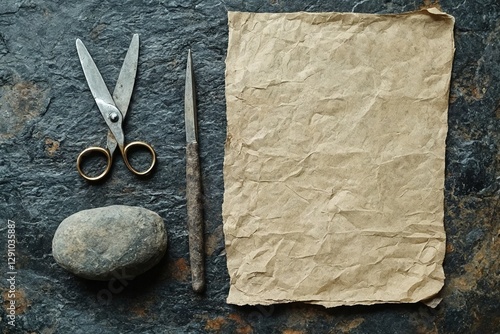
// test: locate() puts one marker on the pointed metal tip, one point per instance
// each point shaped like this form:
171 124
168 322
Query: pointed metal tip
189 102
80 47
189 66
134 43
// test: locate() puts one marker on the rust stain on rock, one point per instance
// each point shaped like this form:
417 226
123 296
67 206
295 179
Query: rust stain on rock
470 86
347 326
180 270
232 324
18 297
97 30
215 324
51 146
474 270
478 93
141 310
486 260
431 4
242 327
19 104
293 331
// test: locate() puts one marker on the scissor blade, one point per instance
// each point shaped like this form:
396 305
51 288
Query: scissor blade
190 103
125 84
102 97
94 79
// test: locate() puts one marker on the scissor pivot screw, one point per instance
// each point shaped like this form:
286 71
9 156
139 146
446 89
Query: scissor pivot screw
114 117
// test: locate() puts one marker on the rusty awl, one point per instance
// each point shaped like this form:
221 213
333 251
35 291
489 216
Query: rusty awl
193 184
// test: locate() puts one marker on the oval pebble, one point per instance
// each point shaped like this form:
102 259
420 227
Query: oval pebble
110 242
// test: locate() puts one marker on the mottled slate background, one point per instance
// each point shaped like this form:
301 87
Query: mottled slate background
47 116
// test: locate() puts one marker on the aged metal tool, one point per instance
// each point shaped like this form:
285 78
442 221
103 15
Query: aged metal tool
193 184
113 109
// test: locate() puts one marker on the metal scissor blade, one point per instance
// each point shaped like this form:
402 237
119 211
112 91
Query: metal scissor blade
190 103
102 97
125 83
94 79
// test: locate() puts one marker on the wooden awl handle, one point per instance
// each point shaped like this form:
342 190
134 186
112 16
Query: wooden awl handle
195 217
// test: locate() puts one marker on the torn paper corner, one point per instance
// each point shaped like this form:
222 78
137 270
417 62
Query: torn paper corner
437 11
335 153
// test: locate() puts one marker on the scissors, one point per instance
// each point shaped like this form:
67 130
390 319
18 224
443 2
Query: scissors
113 109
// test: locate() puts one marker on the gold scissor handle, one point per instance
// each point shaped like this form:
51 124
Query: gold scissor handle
139 144
90 151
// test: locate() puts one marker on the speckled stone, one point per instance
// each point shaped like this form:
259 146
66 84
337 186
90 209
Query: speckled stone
115 241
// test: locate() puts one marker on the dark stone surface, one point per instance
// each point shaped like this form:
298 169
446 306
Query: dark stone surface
116 241
47 116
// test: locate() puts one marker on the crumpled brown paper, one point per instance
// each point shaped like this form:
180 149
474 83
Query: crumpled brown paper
335 155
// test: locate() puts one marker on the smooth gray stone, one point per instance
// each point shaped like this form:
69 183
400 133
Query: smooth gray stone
110 242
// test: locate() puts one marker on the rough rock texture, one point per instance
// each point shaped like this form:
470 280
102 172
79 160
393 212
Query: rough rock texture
116 241
47 116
